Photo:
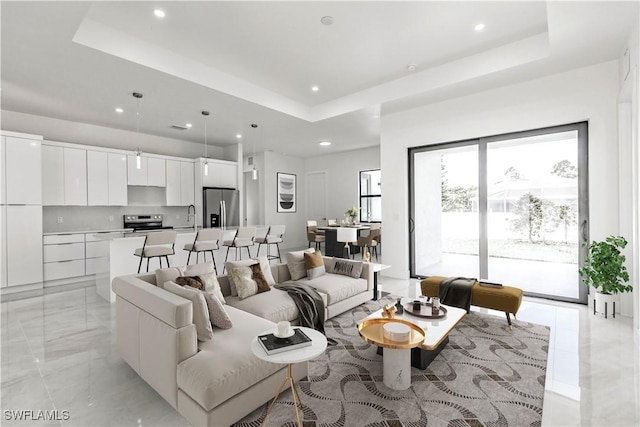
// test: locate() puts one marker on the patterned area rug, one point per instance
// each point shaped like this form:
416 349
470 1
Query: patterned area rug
486 375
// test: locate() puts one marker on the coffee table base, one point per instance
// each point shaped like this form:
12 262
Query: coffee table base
396 368
421 358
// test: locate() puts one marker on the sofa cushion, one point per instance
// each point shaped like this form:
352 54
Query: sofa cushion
226 365
347 267
314 264
296 265
337 287
275 305
198 269
217 314
211 284
200 309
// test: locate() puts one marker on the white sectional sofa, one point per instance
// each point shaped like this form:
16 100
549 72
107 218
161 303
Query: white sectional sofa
216 382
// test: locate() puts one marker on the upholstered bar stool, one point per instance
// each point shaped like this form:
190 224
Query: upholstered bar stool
245 237
275 235
206 240
157 245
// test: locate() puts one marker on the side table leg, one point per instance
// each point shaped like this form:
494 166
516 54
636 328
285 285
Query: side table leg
296 399
375 286
276 397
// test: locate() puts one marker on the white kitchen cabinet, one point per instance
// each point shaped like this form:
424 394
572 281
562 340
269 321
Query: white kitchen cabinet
136 176
24 245
3 246
187 183
174 187
63 256
63 269
221 174
3 192
117 180
97 178
156 172
52 175
75 177
63 252
23 171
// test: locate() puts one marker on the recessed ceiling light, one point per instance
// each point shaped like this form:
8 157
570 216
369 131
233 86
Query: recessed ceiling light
238 135
411 67
327 20
119 110
188 125
479 27
159 13
325 143
315 88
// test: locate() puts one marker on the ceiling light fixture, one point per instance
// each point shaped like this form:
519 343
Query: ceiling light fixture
412 67
325 143
254 171
119 110
238 135
159 13
189 125
479 27
138 96
315 88
327 20
206 161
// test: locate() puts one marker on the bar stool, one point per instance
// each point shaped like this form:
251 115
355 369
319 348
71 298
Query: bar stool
206 241
156 245
274 236
244 238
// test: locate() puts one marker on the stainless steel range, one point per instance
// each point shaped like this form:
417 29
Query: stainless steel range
145 222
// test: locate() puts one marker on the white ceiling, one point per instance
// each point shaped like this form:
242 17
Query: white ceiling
255 62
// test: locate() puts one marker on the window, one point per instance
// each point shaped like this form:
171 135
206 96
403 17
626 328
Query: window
370 196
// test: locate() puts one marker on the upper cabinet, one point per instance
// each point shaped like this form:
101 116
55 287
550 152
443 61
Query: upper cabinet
222 173
180 183
64 176
23 171
107 178
151 173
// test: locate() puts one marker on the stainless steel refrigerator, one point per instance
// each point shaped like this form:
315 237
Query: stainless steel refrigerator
221 207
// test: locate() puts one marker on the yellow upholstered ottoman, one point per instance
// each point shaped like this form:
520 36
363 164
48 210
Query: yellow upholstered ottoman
506 298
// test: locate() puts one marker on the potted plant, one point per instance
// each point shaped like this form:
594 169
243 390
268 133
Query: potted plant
605 271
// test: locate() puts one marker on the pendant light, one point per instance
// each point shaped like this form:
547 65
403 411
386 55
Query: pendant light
206 158
254 172
138 96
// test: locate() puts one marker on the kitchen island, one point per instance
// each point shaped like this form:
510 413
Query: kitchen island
117 258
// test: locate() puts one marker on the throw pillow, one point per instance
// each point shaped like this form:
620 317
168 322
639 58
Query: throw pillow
200 309
266 270
245 285
258 276
211 284
347 267
194 282
217 313
296 265
198 269
164 275
230 265
314 264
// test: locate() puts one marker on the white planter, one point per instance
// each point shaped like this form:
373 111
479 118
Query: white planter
602 299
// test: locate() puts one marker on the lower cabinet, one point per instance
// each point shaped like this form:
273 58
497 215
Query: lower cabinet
23 245
63 256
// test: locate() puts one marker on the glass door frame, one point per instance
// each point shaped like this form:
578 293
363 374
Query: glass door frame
482 143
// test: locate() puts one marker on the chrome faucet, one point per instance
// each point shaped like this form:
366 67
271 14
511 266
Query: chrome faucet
192 215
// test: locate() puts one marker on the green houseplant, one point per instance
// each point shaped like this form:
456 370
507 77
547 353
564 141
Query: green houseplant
604 267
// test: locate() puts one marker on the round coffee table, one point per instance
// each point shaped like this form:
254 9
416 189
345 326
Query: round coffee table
396 356
317 347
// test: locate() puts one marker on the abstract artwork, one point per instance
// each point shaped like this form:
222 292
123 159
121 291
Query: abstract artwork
286 192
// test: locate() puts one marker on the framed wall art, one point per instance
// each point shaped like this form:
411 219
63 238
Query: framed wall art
286 192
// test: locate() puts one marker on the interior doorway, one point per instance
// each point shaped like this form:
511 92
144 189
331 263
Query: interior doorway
251 199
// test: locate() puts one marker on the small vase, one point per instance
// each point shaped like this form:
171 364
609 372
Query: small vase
366 255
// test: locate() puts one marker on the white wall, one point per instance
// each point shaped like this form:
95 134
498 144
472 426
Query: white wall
83 133
585 94
270 164
342 170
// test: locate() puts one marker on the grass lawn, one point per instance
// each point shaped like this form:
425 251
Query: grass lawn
516 249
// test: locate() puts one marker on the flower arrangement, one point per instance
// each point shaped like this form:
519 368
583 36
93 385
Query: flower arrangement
353 212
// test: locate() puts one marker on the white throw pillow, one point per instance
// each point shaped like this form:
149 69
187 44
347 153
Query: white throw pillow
230 265
245 285
266 270
200 309
164 275
198 269
296 265
211 285
217 313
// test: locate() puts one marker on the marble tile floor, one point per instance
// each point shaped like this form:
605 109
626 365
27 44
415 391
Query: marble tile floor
58 354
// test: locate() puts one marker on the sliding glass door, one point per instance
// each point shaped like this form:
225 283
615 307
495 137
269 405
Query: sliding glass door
510 209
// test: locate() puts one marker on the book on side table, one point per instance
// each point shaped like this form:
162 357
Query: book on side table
274 345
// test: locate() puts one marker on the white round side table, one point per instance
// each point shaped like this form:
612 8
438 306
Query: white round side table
317 347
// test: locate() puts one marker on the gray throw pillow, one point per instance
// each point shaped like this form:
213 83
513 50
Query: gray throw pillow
347 267
217 313
200 309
